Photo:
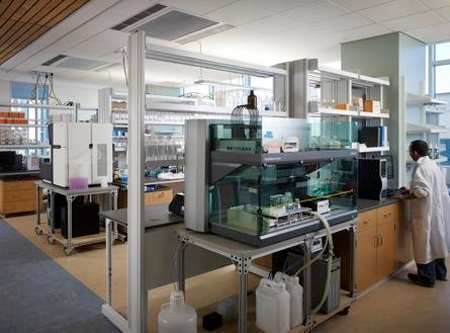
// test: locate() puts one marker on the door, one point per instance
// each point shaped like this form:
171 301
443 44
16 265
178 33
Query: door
385 249
101 152
366 259
79 140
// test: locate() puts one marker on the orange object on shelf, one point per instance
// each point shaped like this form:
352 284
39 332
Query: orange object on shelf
342 106
372 106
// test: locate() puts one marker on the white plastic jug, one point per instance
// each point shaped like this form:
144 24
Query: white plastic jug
176 316
295 291
272 307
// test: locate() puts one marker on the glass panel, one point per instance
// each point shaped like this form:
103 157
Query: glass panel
442 79
265 177
442 51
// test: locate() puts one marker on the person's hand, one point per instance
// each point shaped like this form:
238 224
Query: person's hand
399 196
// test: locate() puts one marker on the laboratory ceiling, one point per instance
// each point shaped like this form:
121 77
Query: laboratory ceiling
87 46
24 21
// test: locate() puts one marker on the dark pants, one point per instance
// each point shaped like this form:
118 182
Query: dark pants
429 272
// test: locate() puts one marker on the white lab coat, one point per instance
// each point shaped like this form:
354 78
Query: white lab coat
430 212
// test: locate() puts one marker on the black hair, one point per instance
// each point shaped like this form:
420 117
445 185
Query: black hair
419 146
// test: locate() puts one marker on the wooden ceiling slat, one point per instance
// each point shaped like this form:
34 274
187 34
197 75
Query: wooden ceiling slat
14 26
42 18
11 10
74 6
48 8
4 5
30 33
11 49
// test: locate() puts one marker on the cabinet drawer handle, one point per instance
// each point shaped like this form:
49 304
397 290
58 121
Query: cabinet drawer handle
367 221
381 240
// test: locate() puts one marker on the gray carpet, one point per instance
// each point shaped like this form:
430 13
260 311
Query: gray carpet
38 295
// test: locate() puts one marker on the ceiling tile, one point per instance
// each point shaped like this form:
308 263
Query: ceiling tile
413 21
199 7
394 9
444 12
238 13
353 5
431 34
433 4
279 5
344 22
315 11
366 32
272 24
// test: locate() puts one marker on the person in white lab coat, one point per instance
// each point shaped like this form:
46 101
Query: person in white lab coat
430 213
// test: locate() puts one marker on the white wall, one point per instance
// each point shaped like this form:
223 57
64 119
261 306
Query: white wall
86 96
5 91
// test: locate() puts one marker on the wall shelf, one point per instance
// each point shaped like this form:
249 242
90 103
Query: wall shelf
424 128
437 160
364 149
423 99
24 146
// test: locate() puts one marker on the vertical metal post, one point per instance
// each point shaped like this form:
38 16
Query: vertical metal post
38 206
180 254
243 264
108 260
137 295
352 265
69 219
307 284
243 279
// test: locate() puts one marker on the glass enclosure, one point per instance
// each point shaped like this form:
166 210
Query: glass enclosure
266 176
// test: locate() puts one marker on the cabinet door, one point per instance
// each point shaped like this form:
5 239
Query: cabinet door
366 259
385 249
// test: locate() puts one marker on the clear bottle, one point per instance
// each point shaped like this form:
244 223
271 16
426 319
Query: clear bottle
176 316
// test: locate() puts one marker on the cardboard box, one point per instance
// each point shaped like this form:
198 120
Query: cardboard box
372 106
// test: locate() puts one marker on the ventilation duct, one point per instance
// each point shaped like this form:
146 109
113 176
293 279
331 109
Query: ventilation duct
63 61
168 24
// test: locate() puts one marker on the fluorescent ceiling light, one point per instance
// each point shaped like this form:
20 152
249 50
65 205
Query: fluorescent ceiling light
225 84
156 52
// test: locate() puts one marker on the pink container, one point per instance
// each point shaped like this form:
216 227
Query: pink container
78 183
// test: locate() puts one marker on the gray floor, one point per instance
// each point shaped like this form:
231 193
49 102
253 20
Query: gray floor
37 295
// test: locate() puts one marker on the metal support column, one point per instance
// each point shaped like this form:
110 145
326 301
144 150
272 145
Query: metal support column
307 284
108 235
352 232
68 246
242 265
180 262
137 295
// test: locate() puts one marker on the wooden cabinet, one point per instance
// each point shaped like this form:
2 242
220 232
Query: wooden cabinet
375 245
17 196
151 198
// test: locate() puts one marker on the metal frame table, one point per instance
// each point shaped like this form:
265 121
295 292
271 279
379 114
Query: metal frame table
69 244
242 256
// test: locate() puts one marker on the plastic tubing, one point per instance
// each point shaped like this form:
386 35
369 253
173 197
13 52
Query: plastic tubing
329 242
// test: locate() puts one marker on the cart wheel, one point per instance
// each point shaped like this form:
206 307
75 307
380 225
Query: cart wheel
38 231
345 312
68 249
50 239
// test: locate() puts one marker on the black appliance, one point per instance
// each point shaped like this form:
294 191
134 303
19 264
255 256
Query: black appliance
176 206
58 205
46 167
372 178
85 219
290 261
10 161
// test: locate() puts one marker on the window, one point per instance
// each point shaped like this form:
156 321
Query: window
439 74
442 79
442 51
